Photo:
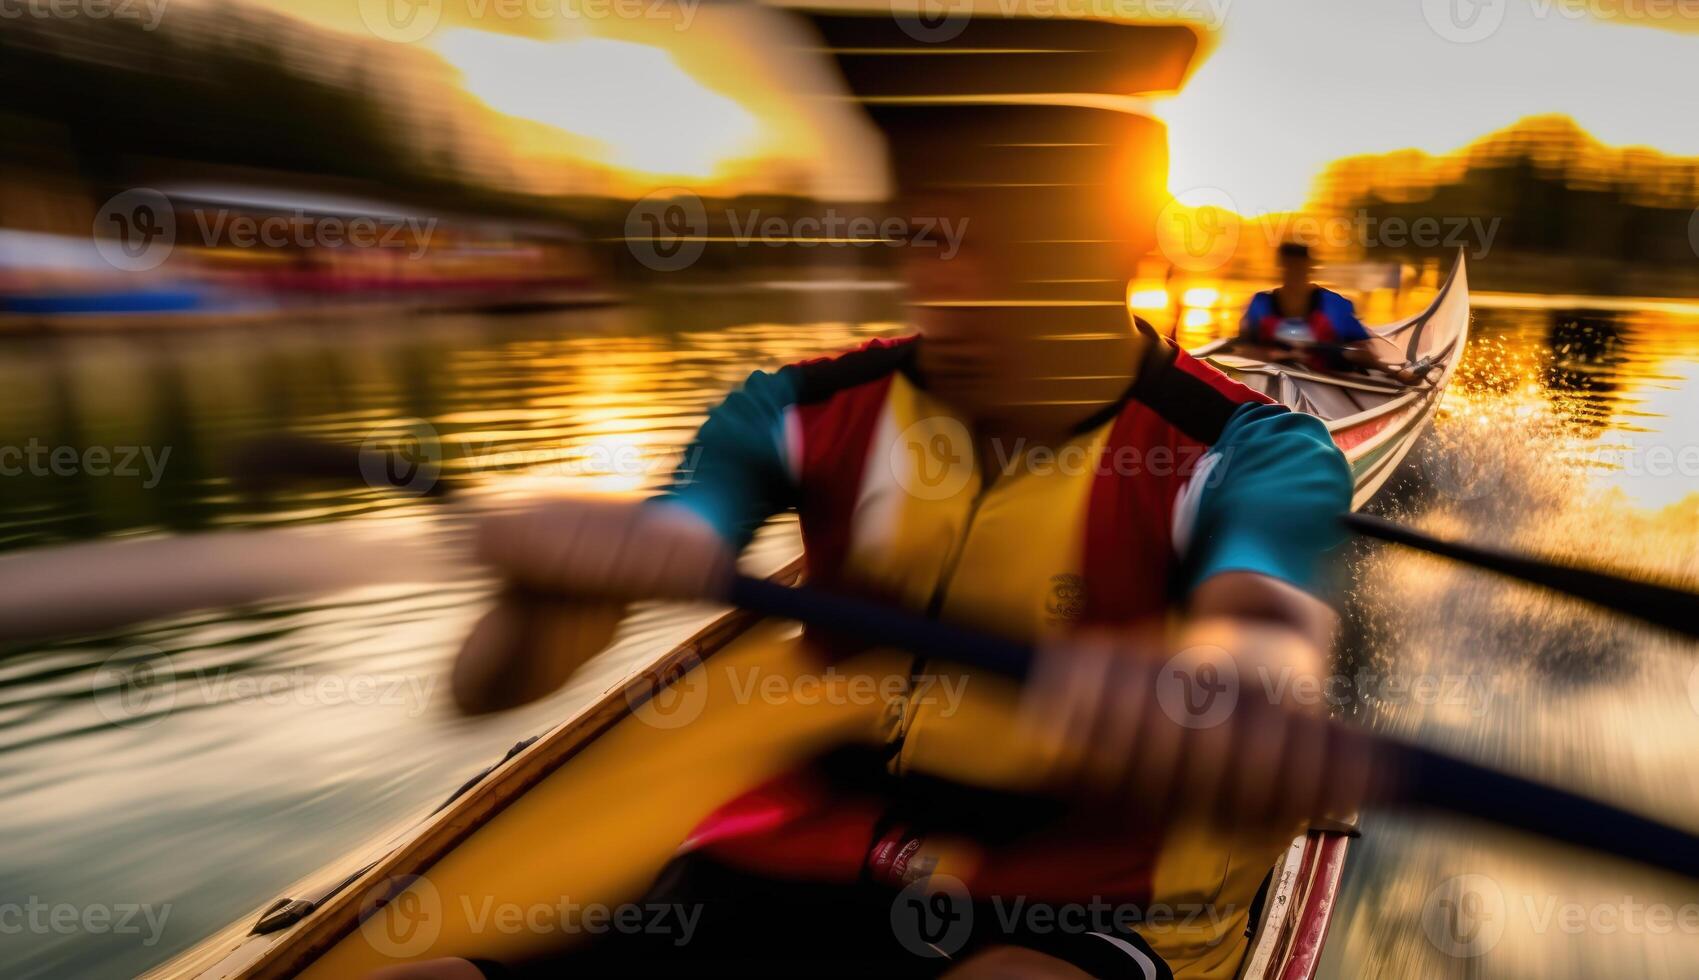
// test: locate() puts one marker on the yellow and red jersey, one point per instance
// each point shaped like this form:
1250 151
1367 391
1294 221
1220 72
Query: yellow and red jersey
1188 476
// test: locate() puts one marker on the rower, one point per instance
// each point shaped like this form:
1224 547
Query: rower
1044 467
1301 321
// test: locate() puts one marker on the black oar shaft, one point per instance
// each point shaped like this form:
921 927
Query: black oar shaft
1418 776
1672 608
1443 782
882 625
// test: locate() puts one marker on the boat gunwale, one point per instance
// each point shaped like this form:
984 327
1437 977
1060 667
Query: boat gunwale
1309 937
1268 943
416 849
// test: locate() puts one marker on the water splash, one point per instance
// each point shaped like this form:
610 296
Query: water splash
1521 458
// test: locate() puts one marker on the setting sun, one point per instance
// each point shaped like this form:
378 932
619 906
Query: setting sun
656 120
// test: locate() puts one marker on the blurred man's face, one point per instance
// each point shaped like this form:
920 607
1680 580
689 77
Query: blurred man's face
968 359
971 360
993 352
1036 367
1007 361
1298 268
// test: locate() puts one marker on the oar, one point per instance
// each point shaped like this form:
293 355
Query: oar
91 587
1406 774
1410 775
96 586
1672 608
288 458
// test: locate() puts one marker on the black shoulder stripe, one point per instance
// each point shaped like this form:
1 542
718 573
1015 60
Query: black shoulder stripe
1186 402
819 380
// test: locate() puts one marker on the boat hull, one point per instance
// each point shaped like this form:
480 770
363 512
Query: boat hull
1374 422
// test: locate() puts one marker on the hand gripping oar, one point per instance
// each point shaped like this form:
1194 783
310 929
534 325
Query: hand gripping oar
1662 605
1402 774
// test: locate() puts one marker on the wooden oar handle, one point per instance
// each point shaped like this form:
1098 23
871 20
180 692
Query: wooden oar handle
1403 774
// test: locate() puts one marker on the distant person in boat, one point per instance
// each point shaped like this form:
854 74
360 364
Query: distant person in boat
1050 471
1302 322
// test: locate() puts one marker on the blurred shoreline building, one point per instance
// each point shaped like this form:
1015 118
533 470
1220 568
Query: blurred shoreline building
246 119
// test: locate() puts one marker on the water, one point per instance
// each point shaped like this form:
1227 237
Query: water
1570 436
264 762
288 734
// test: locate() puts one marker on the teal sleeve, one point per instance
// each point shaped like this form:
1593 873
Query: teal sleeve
734 473
1272 501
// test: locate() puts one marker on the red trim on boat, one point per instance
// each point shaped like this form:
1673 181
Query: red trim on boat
1310 933
1356 435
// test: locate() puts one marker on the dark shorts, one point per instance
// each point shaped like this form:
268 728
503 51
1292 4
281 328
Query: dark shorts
747 926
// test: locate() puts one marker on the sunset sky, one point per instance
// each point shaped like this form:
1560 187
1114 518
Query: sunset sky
1328 79
709 96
